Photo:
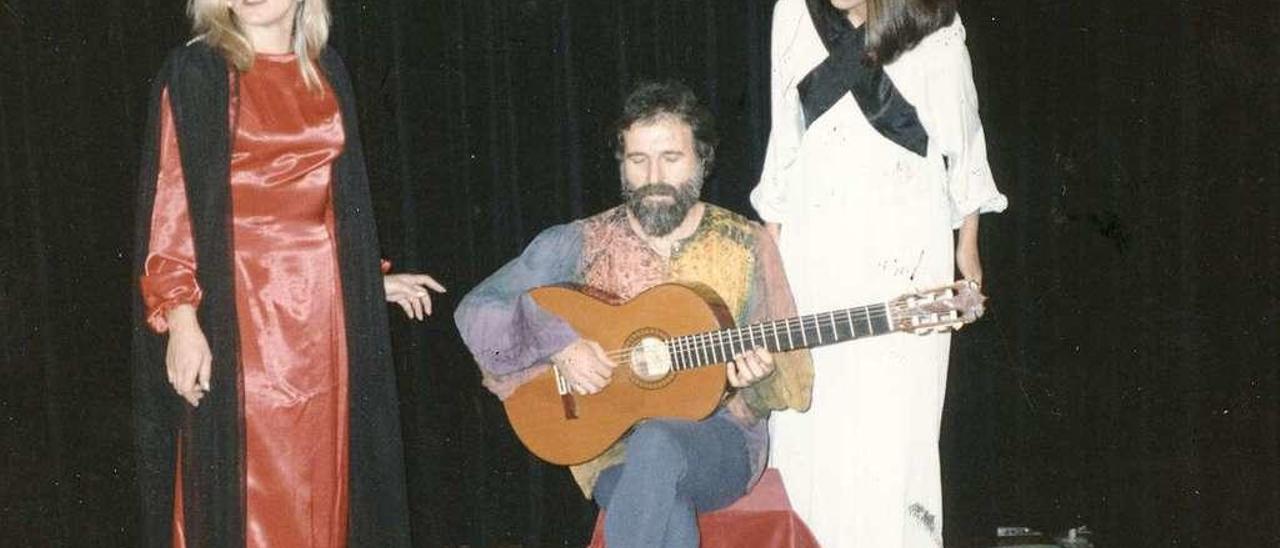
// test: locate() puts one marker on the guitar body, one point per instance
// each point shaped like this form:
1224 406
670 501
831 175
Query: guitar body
573 429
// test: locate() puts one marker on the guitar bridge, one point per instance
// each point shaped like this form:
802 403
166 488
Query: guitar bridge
566 396
570 406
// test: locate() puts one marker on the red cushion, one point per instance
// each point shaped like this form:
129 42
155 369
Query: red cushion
761 518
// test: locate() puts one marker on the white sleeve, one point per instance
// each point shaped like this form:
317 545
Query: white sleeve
957 129
786 121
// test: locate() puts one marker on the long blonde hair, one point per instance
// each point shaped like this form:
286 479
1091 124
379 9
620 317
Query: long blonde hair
213 23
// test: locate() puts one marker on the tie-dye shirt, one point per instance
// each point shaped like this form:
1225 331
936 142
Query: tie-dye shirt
512 338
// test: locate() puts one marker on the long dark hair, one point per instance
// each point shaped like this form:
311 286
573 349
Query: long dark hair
895 26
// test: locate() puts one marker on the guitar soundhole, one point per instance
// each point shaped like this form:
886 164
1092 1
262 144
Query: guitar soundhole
650 362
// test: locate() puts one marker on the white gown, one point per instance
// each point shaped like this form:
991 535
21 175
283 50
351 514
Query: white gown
864 220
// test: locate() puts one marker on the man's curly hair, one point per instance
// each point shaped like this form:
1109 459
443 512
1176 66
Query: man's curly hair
651 100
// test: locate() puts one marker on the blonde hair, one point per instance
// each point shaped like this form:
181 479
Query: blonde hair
213 22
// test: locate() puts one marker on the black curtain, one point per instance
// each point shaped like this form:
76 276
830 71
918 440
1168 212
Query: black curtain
1125 378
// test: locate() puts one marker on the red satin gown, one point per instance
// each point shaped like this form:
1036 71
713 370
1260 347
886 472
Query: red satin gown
292 345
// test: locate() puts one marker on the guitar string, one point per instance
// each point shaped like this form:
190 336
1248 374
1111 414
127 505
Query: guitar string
705 344
750 332
738 336
708 342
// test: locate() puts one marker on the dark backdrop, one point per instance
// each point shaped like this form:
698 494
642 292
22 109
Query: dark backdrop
1125 378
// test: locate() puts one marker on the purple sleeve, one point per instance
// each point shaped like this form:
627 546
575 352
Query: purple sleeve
506 331
791 386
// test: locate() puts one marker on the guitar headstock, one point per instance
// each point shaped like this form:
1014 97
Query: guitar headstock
939 309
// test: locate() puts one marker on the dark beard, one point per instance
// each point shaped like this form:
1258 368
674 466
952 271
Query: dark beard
660 218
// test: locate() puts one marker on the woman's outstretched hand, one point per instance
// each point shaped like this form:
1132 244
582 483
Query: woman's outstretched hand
412 292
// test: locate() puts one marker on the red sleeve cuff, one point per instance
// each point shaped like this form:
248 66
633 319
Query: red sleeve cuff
163 293
157 315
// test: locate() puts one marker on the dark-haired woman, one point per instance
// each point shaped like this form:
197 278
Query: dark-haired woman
265 400
876 155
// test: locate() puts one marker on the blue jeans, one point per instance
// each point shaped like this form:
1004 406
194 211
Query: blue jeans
673 470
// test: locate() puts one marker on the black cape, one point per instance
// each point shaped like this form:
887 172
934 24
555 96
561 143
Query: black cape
211 437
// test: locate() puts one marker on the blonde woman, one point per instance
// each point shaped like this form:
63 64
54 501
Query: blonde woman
265 400
875 177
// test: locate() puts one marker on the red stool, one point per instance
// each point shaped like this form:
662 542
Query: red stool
762 518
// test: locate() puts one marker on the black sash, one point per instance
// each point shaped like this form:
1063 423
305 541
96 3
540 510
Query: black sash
843 72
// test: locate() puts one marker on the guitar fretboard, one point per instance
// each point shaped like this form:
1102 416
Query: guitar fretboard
700 349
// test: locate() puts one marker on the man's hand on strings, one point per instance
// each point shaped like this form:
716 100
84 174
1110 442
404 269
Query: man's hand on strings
585 365
748 368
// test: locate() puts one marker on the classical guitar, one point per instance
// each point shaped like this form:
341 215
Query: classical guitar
671 343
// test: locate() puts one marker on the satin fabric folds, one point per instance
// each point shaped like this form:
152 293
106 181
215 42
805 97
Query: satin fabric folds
269 458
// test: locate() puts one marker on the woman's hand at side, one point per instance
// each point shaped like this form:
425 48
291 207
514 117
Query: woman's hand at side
967 259
188 361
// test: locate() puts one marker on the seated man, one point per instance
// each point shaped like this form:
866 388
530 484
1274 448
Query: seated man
651 484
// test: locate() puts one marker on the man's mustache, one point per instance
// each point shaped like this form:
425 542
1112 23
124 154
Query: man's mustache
655 189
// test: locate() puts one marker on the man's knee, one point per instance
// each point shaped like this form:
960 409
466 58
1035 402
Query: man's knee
656 444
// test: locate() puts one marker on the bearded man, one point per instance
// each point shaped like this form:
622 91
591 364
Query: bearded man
653 483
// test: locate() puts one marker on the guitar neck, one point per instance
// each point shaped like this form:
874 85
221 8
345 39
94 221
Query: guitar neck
813 330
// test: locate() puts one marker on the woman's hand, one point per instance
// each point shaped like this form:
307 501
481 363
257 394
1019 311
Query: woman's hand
749 367
410 292
187 359
967 259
